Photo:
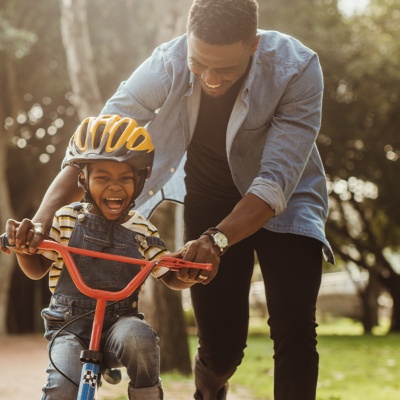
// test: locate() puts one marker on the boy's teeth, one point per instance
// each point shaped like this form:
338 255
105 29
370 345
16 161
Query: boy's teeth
113 203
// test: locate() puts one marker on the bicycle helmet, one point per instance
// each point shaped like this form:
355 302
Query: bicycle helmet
113 138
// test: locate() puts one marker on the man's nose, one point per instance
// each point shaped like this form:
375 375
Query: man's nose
211 77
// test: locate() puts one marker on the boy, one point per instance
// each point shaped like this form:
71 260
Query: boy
115 158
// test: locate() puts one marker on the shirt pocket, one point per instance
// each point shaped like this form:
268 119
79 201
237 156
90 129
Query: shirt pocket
97 272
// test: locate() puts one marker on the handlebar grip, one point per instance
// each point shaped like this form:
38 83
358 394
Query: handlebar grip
4 241
176 263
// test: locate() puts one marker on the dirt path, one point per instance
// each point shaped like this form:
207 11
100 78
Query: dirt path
23 359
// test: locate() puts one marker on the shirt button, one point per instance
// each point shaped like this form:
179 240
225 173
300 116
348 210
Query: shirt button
172 170
134 304
151 193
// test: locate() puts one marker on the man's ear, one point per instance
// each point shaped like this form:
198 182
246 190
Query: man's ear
255 43
81 180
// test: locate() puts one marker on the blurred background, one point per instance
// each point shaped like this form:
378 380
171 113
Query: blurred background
61 60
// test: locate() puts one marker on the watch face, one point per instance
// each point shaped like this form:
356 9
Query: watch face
221 240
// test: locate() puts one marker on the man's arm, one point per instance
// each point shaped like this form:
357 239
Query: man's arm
63 190
249 215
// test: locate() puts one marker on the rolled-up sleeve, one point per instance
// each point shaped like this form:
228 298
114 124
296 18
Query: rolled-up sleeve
270 192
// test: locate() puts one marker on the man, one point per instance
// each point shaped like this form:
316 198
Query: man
239 109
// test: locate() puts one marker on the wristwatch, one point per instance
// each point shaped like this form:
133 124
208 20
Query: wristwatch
219 239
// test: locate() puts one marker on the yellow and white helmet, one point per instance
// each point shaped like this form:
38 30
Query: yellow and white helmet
113 138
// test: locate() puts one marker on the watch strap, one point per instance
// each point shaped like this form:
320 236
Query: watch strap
211 232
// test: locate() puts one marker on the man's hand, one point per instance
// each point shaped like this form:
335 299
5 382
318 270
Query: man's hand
201 250
25 235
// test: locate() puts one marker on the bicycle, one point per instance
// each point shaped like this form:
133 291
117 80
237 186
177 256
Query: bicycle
92 357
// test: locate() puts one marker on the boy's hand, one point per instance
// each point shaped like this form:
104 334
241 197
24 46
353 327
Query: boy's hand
25 235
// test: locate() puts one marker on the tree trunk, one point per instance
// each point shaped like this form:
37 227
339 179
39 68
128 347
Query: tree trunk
392 283
172 15
163 310
369 297
162 306
7 263
82 74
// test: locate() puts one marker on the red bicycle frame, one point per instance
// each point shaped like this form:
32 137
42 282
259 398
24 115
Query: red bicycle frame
91 358
102 296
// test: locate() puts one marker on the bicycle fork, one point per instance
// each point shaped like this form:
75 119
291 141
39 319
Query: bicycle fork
89 381
91 359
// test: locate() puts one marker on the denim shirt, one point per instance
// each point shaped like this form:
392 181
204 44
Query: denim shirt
271 133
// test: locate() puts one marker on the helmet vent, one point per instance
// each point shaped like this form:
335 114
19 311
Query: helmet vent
118 133
83 136
98 136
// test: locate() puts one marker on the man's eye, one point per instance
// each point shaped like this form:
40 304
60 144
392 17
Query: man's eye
196 64
225 70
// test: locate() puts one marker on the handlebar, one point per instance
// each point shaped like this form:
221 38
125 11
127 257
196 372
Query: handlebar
102 296
174 264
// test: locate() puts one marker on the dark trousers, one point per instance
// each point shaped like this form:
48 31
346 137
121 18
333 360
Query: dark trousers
291 266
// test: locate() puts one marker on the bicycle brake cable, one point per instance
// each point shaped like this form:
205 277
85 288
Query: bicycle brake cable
61 330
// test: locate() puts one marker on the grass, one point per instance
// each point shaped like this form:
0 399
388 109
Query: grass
352 366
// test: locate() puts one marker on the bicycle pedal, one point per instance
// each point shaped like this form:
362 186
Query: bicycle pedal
112 376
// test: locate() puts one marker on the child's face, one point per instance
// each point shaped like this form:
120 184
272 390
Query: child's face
111 186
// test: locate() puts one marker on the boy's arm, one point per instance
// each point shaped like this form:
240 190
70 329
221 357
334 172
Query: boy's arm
34 266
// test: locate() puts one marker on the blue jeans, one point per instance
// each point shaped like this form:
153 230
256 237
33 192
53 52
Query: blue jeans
130 342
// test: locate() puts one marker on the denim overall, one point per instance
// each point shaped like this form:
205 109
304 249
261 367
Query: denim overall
127 340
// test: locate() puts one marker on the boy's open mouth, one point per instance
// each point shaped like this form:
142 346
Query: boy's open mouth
113 204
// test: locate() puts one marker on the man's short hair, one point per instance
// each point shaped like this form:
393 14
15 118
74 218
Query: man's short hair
223 22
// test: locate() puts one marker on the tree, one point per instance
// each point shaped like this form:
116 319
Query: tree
82 74
34 110
362 156
164 307
359 141
15 45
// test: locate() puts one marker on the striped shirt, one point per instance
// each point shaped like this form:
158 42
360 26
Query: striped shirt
64 222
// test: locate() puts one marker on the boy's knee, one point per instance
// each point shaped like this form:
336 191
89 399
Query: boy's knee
61 389
141 338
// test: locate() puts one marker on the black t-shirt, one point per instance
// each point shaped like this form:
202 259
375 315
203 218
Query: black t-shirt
208 179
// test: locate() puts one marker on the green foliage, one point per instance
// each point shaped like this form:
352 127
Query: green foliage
359 55
39 117
15 42
359 141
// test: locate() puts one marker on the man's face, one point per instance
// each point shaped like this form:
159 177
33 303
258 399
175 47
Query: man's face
218 67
